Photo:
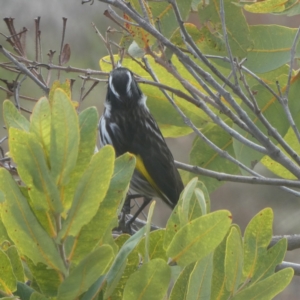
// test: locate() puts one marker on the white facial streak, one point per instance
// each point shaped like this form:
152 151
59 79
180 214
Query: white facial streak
128 86
113 88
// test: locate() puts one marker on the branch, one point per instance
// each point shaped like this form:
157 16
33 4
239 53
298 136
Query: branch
24 69
293 241
272 131
285 264
237 178
273 151
222 15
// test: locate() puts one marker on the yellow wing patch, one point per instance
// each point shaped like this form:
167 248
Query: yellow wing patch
141 168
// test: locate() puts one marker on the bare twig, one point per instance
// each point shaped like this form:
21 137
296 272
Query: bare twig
273 151
10 93
17 89
293 241
272 131
144 10
237 178
113 13
228 48
285 264
106 43
293 54
215 118
23 69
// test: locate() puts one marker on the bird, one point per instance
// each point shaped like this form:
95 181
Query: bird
127 125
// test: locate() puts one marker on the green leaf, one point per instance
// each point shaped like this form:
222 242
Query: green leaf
147 232
180 288
3 233
93 292
204 156
106 217
37 296
273 257
265 7
218 290
16 263
23 227
277 168
199 285
13 118
40 124
132 264
186 210
184 205
86 273
88 120
48 280
90 192
33 170
268 288
64 137
119 264
152 276
8 281
272 47
24 291
198 238
160 14
271 108
156 249
233 260
238 36
257 237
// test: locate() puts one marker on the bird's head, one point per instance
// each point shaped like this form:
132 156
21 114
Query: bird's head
123 89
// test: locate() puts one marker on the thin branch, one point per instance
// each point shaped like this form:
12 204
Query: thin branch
285 105
106 43
89 90
293 54
285 264
62 40
237 178
225 35
24 69
17 89
113 13
214 117
293 241
144 10
61 246
272 131
10 93
273 151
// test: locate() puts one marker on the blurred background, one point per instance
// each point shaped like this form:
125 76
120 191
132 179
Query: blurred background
244 201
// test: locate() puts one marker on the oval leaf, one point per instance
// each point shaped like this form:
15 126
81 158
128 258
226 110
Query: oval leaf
152 276
199 237
64 137
86 273
90 192
23 227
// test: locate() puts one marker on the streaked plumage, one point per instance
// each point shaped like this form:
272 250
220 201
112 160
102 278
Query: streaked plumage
128 125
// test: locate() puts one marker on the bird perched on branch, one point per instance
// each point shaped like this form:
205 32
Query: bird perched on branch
128 126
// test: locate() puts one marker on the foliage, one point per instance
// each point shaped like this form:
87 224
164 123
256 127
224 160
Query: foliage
58 215
65 248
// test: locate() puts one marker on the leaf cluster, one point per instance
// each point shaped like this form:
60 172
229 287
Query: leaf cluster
56 225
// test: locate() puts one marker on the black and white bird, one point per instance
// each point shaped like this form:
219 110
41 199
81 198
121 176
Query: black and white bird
128 126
